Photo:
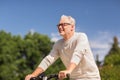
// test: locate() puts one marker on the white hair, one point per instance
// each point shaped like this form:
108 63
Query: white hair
71 19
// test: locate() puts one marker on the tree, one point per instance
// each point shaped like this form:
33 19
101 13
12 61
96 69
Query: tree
97 61
8 57
111 67
19 56
113 56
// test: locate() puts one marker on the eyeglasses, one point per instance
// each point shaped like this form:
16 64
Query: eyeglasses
63 24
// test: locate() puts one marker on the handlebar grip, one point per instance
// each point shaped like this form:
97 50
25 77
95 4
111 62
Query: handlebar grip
39 77
53 76
33 78
68 76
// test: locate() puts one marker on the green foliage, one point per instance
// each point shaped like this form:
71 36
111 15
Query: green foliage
113 59
110 72
20 56
111 67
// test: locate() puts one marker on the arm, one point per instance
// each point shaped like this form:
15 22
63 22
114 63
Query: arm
37 71
71 67
45 63
50 59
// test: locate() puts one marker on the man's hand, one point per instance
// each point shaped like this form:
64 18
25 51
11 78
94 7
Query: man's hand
34 74
63 74
29 76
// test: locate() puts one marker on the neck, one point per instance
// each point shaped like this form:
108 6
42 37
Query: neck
68 36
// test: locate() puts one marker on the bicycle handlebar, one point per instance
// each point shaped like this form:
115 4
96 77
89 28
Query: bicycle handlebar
39 77
49 77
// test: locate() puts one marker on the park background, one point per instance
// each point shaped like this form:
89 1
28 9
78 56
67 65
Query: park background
28 31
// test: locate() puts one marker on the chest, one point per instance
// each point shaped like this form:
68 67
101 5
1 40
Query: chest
67 49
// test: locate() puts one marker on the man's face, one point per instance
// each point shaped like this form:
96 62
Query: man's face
64 26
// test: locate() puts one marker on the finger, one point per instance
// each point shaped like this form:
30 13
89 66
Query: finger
61 75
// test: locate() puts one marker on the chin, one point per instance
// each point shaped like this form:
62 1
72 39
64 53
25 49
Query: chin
62 34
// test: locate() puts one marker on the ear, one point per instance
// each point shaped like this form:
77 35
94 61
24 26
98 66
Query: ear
72 28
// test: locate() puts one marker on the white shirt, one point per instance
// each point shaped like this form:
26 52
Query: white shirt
76 50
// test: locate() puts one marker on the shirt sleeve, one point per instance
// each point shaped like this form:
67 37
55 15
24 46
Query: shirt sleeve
49 59
80 49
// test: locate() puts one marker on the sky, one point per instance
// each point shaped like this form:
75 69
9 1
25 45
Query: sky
99 19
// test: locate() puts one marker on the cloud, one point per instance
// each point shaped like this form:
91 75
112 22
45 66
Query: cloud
102 40
55 37
102 43
31 31
98 44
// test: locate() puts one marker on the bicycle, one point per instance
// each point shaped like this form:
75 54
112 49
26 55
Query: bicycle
49 77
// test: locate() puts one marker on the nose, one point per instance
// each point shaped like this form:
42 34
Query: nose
60 27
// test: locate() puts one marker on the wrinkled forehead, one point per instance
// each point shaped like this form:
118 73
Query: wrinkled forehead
65 20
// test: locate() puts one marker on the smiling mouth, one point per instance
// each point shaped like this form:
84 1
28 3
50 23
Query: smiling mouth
60 30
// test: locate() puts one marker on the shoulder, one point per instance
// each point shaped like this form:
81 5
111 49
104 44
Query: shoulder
58 43
81 35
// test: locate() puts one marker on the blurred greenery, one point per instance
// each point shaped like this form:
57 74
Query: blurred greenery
19 56
111 67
